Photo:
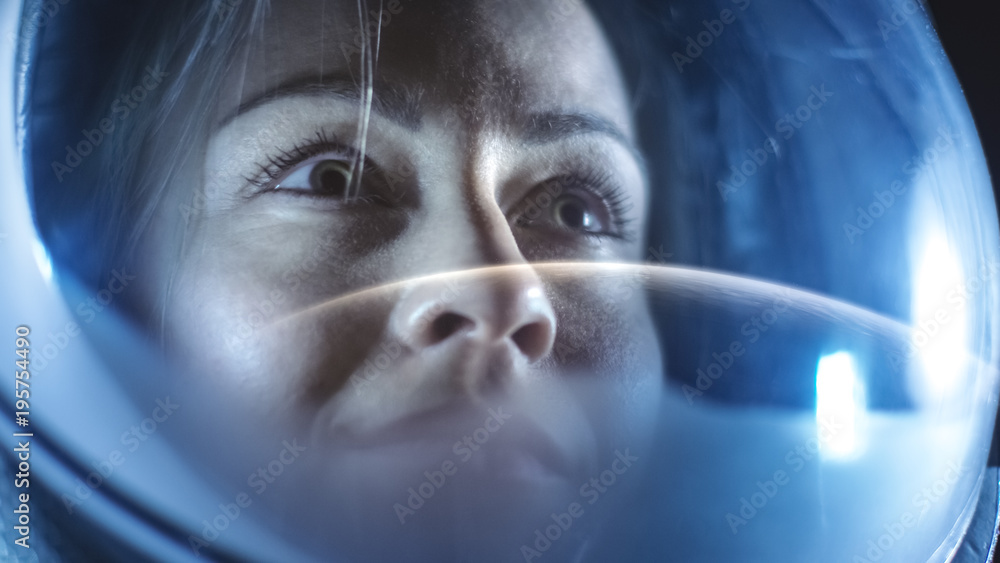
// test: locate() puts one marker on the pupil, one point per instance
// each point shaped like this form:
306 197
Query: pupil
573 214
330 178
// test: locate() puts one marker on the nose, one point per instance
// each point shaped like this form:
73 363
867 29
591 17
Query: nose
503 306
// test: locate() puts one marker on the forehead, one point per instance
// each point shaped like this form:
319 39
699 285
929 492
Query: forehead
496 57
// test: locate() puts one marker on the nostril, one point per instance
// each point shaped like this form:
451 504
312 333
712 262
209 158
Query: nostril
507 315
448 324
533 339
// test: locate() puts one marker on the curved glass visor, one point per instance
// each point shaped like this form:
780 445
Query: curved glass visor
552 281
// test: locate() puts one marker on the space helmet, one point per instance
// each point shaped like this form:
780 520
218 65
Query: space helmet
494 281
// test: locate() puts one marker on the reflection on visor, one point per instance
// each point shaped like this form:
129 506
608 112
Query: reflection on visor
839 397
317 280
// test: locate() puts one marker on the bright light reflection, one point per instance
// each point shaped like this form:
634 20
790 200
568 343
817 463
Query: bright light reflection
43 260
939 315
840 404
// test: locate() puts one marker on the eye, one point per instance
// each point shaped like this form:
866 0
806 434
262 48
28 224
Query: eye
578 204
574 212
323 177
323 168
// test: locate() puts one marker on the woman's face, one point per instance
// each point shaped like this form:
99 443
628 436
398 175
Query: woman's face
315 281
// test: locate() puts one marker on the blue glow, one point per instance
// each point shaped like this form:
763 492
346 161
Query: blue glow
43 260
840 405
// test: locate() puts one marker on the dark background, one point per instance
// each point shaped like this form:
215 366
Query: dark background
970 33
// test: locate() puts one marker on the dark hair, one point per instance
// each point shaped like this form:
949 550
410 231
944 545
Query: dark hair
91 209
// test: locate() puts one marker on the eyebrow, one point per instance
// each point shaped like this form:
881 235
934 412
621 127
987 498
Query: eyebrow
400 103
549 127
397 102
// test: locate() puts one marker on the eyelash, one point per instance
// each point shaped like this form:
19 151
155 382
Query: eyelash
597 182
600 183
618 202
276 166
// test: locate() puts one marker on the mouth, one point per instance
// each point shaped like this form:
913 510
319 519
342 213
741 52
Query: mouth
497 441
526 454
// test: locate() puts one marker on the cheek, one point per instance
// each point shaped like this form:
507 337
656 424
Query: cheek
604 325
271 320
606 336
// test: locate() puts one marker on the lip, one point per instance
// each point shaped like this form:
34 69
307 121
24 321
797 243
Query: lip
524 453
519 450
